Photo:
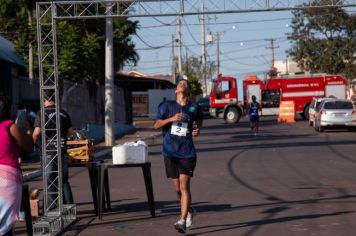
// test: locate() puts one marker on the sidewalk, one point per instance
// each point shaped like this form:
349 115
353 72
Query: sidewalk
143 131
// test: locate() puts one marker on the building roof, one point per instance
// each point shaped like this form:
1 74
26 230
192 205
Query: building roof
134 73
134 82
8 53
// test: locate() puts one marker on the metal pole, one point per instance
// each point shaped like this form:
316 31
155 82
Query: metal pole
272 47
217 54
203 48
179 45
30 49
109 80
173 62
267 4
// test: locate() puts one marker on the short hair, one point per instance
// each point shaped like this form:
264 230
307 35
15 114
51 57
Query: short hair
189 86
5 108
253 97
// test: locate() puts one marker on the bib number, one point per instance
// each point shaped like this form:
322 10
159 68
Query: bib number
179 128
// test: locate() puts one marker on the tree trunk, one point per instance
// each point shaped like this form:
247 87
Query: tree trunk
30 50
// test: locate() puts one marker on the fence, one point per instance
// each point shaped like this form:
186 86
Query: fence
82 106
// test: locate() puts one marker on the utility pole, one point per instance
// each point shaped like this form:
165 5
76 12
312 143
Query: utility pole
186 61
173 61
267 4
203 43
272 47
217 54
179 23
109 79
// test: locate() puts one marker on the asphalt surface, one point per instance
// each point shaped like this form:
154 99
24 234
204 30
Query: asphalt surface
289 180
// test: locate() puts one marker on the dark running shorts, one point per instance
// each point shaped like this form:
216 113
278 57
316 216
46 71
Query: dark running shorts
177 166
254 118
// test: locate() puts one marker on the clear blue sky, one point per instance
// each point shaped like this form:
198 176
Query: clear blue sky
243 43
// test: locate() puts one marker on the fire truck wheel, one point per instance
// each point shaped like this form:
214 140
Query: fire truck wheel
232 115
305 113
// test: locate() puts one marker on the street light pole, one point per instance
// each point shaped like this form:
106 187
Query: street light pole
217 54
109 80
179 45
203 43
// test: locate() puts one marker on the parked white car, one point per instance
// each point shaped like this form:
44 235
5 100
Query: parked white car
335 113
313 108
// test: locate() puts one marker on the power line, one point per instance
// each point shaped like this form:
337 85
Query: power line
252 47
235 22
155 61
152 47
155 18
190 33
238 62
228 42
223 23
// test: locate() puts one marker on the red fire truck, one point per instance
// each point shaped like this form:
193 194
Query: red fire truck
230 97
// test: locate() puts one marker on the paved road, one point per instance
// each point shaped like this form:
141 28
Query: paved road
289 180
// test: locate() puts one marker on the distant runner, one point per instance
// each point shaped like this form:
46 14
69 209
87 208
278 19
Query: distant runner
253 114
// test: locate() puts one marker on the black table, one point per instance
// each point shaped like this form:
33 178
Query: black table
103 184
25 205
93 177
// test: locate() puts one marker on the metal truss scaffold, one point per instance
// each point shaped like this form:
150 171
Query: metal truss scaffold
56 215
146 8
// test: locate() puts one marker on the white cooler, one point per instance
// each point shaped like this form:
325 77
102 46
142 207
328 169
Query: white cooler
130 153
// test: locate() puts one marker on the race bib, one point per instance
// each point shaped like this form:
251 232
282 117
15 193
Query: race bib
179 128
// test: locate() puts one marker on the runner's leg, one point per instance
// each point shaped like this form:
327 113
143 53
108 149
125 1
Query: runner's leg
184 186
175 183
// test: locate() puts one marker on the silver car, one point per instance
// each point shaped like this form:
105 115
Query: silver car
335 113
313 108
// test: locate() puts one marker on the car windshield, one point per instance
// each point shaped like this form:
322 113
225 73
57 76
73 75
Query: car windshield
335 105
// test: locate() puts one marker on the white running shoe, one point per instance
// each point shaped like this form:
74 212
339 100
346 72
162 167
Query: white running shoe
180 226
190 216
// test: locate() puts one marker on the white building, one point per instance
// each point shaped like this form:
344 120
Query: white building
287 67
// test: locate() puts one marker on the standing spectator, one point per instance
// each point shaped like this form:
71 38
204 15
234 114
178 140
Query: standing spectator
176 118
12 142
66 130
253 114
22 120
23 123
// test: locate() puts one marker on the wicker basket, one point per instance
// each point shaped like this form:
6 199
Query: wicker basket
80 151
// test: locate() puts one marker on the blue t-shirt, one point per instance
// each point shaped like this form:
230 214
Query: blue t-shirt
175 145
254 107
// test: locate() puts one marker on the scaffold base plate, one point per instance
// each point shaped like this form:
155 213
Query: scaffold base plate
53 224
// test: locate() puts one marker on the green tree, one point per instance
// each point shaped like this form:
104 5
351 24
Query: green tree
194 70
324 40
194 84
81 43
16 24
83 58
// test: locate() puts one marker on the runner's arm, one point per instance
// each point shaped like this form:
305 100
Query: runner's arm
196 130
160 123
36 134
